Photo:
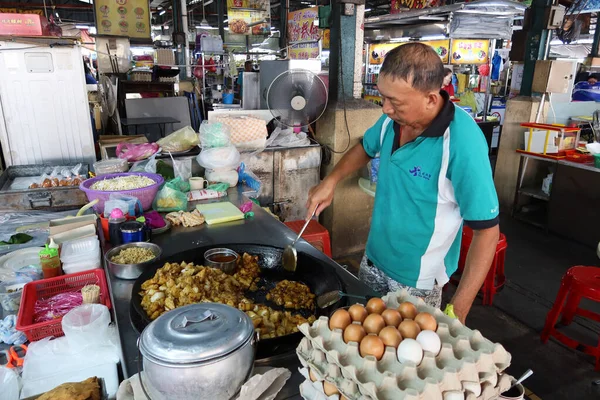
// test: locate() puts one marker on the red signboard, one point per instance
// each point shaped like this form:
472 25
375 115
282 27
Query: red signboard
20 24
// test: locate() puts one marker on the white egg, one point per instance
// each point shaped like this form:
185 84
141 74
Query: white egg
430 341
454 395
410 350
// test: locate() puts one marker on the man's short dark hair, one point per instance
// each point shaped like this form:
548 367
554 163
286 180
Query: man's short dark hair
416 63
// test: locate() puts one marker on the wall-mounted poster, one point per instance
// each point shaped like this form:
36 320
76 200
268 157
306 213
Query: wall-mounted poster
397 5
380 50
326 38
129 18
249 17
470 51
302 27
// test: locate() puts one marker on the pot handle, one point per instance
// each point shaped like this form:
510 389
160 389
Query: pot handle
206 316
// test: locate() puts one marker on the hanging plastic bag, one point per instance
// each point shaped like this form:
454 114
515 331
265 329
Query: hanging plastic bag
136 152
170 198
183 168
214 134
219 158
180 140
249 179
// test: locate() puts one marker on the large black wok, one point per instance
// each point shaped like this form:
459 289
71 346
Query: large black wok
319 277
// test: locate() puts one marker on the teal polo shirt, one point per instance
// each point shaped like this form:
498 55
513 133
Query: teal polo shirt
426 189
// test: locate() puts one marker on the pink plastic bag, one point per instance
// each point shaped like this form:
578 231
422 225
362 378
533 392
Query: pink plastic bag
136 152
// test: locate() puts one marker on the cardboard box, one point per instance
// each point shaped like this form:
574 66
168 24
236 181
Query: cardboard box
552 76
20 24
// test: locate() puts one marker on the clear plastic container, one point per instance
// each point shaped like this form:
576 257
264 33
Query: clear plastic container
80 255
10 293
110 166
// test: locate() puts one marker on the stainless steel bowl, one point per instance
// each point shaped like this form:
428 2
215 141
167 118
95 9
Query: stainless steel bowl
221 258
131 271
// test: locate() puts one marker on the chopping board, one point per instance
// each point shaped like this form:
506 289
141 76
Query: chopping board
216 213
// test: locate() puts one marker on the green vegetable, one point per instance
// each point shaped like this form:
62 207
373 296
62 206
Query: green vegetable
18 238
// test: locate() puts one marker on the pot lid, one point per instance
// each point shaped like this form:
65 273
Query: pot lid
196 333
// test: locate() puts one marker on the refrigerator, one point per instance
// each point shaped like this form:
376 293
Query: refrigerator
44 113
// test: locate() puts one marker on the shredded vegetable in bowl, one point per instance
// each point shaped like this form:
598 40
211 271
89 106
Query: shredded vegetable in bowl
123 183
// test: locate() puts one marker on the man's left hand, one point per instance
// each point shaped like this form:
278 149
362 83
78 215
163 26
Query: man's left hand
480 257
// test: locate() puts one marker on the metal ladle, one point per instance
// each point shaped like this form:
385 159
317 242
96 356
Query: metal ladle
290 255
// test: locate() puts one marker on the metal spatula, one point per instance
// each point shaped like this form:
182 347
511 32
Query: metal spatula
290 255
329 298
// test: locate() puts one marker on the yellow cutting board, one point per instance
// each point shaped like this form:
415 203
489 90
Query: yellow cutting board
216 213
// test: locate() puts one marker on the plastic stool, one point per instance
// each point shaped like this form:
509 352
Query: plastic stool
578 282
315 234
495 278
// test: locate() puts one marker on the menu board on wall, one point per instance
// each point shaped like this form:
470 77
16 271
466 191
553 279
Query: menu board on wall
470 51
249 17
302 27
129 18
380 50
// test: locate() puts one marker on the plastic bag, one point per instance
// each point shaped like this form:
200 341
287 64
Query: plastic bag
287 138
86 325
128 204
180 140
248 178
219 158
183 168
169 198
224 175
9 384
148 165
214 134
179 184
136 152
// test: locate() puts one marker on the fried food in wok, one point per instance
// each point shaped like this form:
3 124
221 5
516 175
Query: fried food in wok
176 285
290 294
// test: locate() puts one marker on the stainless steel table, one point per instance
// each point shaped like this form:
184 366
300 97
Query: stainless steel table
261 229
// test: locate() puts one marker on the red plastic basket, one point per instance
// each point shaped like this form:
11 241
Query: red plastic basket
46 288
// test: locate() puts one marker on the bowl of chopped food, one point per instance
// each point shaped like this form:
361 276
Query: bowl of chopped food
129 260
142 185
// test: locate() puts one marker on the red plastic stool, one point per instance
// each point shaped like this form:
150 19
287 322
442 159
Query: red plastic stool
495 278
315 234
578 282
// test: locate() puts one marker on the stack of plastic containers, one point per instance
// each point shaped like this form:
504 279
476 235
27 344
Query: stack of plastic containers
80 255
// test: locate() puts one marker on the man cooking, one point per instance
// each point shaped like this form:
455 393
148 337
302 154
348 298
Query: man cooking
434 175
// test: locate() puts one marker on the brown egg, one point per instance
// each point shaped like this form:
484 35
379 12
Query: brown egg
329 388
358 313
391 317
340 320
390 336
375 306
312 375
374 323
407 310
426 321
372 345
409 329
354 333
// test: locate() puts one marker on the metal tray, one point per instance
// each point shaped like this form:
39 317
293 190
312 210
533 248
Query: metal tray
50 199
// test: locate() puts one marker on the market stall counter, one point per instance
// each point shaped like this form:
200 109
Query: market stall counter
262 229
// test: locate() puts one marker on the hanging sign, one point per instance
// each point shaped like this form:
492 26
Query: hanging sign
397 5
20 24
249 17
470 51
130 18
326 38
303 34
380 50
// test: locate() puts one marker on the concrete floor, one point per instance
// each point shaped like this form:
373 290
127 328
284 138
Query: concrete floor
535 264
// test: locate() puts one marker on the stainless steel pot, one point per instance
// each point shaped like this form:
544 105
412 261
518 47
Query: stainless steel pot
204 350
131 271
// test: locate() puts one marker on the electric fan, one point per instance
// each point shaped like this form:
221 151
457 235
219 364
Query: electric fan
297 97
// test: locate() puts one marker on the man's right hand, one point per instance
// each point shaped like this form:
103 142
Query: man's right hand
320 197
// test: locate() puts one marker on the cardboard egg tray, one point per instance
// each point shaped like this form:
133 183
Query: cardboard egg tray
310 390
467 363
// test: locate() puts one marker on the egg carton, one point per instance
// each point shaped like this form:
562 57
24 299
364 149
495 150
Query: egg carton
467 363
327 372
